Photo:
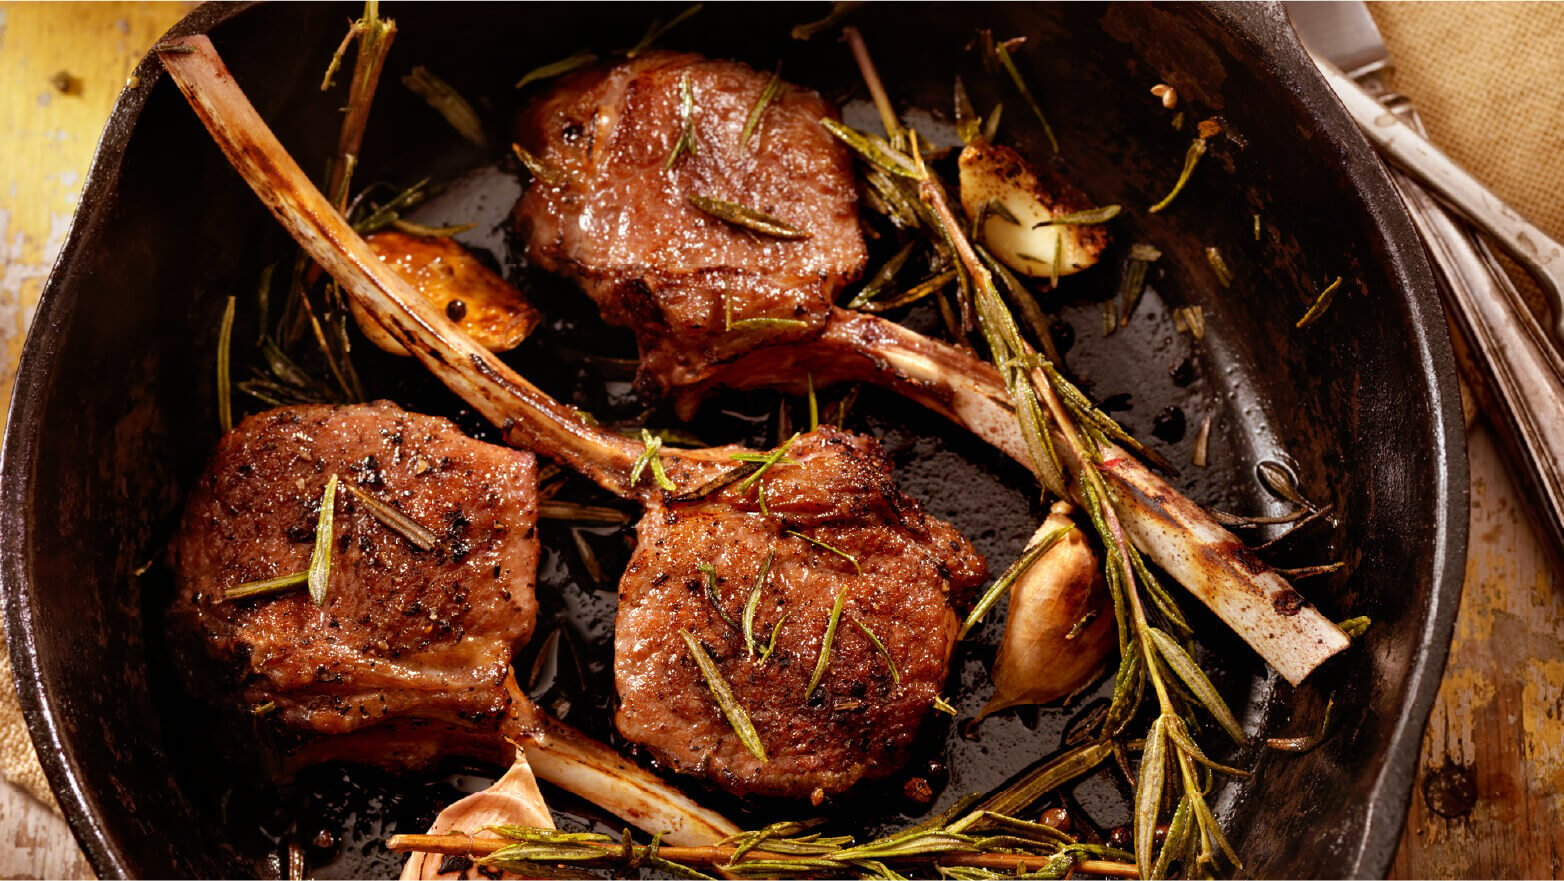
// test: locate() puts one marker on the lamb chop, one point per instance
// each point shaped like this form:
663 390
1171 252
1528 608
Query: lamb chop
613 202
836 506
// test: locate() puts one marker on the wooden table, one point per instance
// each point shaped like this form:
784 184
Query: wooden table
1490 795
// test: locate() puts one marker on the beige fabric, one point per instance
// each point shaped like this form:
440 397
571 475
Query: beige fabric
1487 77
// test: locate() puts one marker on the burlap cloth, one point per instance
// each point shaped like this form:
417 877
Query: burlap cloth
1487 78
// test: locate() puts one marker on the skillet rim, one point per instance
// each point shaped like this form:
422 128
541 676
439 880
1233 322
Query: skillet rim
1269 33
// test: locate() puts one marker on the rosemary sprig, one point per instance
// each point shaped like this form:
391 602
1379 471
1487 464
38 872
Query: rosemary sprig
266 586
556 68
768 94
320 558
225 335
736 715
835 550
753 603
1321 303
749 218
651 456
416 533
823 660
449 103
686 141
374 36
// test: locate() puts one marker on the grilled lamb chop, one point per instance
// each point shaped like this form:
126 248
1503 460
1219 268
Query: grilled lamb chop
616 215
607 130
410 649
925 564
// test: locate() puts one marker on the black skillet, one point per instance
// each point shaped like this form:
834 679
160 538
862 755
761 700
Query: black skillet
113 411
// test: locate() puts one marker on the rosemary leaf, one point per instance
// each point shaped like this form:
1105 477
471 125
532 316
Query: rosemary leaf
969 125
767 95
943 705
753 603
749 218
1307 742
814 403
1047 777
884 276
1005 61
1148 791
1201 453
1321 303
320 559
659 29
991 125
434 232
1177 838
537 167
1177 733
1003 583
835 550
1355 627
686 141
225 334
449 103
930 285
873 149
1199 685
415 533
771 646
1197 149
1219 267
556 68
651 456
1257 227
839 11
1132 284
824 658
1085 217
879 646
766 464
710 579
266 586
737 716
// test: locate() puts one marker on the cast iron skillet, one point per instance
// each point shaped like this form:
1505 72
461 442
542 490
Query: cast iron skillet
112 415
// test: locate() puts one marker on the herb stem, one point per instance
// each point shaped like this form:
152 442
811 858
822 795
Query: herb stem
882 101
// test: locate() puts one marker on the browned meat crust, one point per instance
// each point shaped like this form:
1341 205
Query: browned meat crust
915 573
420 639
618 219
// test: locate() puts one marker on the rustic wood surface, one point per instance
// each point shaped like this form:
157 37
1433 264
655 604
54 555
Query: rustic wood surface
1490 794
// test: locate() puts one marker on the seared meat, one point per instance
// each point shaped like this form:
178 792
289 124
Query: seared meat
493 313
617 216
411 646
908 575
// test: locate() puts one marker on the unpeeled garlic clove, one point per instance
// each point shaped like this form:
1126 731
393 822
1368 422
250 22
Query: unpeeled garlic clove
1039 661
512 800
1014 206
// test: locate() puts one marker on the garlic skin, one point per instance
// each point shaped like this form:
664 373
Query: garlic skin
1038 662
1012 199
513 799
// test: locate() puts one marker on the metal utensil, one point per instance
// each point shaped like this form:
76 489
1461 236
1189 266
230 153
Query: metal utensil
1520 379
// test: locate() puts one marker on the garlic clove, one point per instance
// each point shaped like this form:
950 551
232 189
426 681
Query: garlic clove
1014 206
513 799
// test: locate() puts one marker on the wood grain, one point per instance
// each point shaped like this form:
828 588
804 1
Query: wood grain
1494 753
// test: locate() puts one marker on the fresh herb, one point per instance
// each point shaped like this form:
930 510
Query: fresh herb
753 603
749 218
835 550
651 456
824 658
266 586
771 645
767 463
1297 572
416 533
1132 284
1219 268
374 36
320 558
883 277
943 705
556 68
537 167
1084 217
1355 627
686 141
709 576
933 284
433 232
1003 55
449 103
1190 320
588 558
767 95
1197 149
1257 227
885 653
1201 452
1309 741
1321 303
265 709
659 29
737 716
553 509
225 334
1004 582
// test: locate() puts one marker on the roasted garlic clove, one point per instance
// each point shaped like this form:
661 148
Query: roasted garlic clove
513 800
491 311
1061 626
1014 205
